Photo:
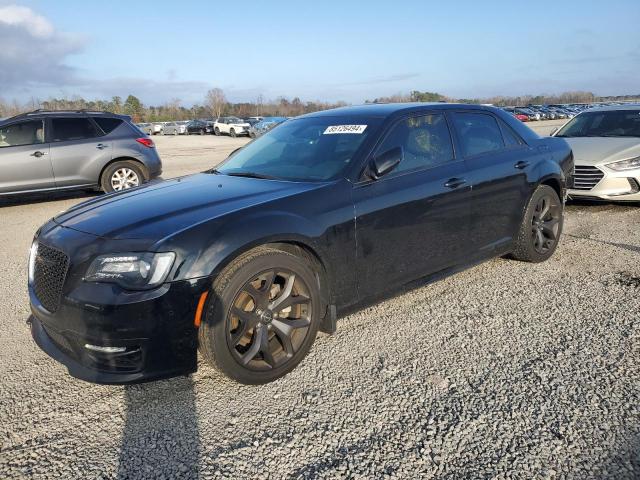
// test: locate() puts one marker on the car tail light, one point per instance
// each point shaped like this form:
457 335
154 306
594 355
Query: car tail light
147 142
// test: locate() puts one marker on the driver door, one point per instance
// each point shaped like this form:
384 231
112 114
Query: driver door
414 221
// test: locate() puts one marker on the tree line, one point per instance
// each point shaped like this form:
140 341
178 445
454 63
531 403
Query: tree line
215 104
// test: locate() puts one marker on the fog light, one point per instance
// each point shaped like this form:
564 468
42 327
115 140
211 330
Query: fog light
97 348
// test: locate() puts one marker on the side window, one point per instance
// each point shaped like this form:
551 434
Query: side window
22 133
478 133
65 129
108 125
511 138
425 142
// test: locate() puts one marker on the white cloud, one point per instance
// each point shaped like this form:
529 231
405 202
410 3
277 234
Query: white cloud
33 53
24 17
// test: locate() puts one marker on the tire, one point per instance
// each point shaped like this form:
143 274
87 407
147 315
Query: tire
253 348
107 180
201 132
175 133
216 132
541 226
232 132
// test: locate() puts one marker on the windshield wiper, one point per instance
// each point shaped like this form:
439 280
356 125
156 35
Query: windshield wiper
250 175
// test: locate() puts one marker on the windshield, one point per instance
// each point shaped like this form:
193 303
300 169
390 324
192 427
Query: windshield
304 149
610 123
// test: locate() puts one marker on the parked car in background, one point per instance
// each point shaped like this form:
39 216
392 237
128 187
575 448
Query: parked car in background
175 128
146 128
232 126
606 149
531 115
520 116
57 150
559 113
249 260
158 128
199 127
265 125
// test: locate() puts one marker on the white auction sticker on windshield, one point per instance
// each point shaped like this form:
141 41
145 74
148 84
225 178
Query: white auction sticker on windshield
344 129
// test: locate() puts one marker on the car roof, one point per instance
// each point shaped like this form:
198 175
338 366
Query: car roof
63 113
627 106
388 109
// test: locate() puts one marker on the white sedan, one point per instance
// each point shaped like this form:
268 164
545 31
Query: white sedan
606 149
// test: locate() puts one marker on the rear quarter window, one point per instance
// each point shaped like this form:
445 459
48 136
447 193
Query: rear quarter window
108 125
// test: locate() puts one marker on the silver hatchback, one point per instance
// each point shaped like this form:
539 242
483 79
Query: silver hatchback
44 150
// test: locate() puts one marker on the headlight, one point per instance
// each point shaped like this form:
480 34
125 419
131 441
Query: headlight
133 271
630 164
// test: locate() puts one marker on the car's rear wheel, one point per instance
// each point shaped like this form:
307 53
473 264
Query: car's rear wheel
121 176
232 132
263 316
541 226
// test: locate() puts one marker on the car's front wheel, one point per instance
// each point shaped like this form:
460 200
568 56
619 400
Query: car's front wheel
217 131
232 132
541 226
262 317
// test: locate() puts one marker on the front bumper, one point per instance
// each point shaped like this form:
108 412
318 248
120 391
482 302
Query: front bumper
614 186
155 328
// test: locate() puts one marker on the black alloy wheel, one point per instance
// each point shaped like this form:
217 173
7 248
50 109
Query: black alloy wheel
541 226
545 223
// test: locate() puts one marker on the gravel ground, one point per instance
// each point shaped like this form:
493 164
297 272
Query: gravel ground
506 370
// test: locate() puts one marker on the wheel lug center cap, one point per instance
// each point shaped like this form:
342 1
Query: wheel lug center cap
266 316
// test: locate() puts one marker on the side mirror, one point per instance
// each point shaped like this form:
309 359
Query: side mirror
385 162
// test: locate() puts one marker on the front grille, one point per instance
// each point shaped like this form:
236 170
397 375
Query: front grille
585 178
50 271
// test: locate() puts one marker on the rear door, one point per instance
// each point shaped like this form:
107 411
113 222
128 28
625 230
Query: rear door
497 161
25 160
415 220
79 150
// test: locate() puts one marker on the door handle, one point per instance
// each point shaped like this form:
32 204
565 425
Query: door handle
455 182
101 146
38 154
521 164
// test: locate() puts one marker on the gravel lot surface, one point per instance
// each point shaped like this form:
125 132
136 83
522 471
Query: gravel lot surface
506 370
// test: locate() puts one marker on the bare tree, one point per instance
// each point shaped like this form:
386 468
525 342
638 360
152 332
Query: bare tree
216 101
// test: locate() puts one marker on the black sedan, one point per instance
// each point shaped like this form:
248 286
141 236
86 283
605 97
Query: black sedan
247 262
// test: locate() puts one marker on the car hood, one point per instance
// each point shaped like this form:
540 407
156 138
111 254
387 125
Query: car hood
156 211
594 151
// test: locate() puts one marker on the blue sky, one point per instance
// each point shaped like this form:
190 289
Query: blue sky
328 50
